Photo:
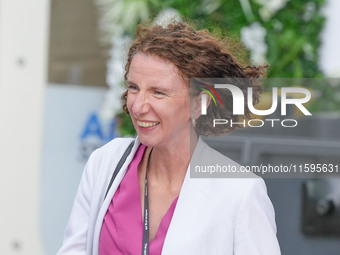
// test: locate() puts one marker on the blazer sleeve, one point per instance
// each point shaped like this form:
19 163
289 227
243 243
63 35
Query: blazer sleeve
77 227
255 229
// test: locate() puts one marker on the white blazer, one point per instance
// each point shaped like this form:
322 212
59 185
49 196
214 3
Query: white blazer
213 216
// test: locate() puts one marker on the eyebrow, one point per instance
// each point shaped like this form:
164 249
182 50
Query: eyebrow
152 87
130 82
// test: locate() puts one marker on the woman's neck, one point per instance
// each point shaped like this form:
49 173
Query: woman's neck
168 165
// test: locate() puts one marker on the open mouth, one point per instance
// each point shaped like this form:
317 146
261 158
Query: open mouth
147 124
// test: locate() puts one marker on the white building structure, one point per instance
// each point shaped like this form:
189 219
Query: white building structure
23 56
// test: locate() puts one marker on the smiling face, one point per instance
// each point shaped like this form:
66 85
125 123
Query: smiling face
158 101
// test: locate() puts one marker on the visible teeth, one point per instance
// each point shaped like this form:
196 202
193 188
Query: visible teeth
147 124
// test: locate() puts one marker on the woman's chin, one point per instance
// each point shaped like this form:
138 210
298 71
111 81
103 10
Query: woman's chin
147 141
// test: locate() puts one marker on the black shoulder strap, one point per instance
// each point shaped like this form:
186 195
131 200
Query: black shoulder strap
119 166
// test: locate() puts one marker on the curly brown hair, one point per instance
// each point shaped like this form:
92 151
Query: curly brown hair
197 54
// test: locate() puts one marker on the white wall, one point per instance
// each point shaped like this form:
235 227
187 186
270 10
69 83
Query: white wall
23 53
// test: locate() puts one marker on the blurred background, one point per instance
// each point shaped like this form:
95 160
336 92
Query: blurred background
61 76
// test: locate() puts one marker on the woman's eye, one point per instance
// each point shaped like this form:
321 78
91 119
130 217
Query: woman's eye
159 93
132 88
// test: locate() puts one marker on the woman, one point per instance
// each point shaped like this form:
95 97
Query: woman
136 195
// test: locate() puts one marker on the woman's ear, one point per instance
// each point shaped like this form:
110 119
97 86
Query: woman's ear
199 104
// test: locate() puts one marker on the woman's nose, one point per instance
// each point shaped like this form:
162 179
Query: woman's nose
141 104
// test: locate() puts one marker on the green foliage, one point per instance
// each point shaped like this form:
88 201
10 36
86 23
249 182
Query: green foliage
292 32
125 125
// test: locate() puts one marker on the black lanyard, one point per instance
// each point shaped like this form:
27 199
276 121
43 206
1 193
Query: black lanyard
145 247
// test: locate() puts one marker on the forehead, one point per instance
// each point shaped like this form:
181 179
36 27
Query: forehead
149 68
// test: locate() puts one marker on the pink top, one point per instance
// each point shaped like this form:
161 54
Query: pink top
122 229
